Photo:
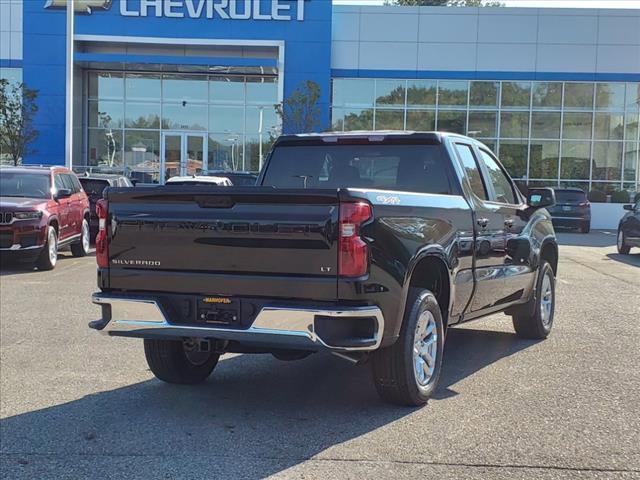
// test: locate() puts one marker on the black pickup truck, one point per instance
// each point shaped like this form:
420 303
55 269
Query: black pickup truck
367 245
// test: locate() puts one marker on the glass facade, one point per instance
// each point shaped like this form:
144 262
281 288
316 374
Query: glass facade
128 114
14 77
582 134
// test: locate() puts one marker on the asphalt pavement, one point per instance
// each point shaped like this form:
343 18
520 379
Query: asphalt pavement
76 404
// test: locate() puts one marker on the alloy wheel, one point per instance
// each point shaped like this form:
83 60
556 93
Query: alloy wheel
52 242
425 348
546 300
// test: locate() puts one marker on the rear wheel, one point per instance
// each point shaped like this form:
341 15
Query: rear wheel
407 372
171 362
620 244
535 319
49 256
81 248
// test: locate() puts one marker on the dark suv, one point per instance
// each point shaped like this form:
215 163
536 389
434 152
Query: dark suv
572 209
42 209
629 229
94 185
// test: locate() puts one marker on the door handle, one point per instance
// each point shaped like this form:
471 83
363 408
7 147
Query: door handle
508 223
482 222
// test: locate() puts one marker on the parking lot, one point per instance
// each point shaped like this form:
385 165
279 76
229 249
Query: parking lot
77 404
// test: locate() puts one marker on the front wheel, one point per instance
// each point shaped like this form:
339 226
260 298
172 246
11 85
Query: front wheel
49 256
81 249
171 362
623 249
536 318
407 372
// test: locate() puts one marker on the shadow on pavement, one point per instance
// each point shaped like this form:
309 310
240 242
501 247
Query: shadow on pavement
12 266
632 259
255 410
599 239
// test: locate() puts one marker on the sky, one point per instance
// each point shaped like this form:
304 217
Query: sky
532 3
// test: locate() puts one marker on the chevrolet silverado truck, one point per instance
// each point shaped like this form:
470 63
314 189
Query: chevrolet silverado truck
366 245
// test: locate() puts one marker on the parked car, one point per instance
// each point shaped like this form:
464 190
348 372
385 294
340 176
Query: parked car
629 229
238 179
572 209
94 185
200 180
366 245
42 210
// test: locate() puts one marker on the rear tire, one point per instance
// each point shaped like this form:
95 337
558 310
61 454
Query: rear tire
170 362
406 372
81 249
49 256
535 319
623 249
585 227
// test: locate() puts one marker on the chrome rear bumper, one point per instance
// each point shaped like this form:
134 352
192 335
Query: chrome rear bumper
274 326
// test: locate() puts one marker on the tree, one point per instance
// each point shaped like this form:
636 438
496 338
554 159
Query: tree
17 110
300 112
446 3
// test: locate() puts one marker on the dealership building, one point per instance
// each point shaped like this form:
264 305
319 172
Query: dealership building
162 87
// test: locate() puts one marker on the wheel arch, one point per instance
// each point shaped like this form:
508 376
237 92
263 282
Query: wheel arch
549 252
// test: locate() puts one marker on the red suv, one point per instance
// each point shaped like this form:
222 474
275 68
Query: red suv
42 209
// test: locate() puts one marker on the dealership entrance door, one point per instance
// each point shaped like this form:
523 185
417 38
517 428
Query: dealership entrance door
182 153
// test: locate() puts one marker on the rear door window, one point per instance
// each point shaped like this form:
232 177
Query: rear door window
502 186
465 152
94 188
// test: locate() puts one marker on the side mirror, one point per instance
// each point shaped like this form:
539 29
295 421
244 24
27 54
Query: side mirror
541 198
62 193
629 207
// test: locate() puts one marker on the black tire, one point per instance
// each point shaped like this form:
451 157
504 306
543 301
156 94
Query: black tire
529 321
81 248
168 361
623 248
585 227
45 260
394 374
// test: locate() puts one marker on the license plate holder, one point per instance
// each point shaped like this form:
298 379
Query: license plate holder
566 208
219 311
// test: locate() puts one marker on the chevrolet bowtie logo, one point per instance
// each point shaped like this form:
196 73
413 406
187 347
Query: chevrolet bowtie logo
81 6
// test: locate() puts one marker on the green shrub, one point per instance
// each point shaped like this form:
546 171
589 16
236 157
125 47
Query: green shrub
620 196
597 196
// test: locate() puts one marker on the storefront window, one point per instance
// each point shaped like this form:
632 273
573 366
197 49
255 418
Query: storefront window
105 147
142 115
262 90
389 119
184 117
226 152
608 126
353 92
578 96
483 124
631 159
610 96
516 95
105 114
106 85
514 125
453 121
226 90
142 155
390 93
577 126
358 119
185 88
513 155
607 160
421 120
224 118
452 93
575 160
545 125
547 95
543 159
483 94
421 93
143 87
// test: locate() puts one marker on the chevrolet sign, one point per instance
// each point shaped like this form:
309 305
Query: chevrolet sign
209 9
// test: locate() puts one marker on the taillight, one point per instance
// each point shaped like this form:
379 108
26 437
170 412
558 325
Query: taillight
102 246
584 204
353 257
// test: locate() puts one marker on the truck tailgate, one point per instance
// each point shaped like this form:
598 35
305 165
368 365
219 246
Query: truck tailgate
213 233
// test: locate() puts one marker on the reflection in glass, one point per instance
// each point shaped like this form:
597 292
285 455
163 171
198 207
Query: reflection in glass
543 159
188 117
390 93
256 149
483 94
185 88
547 95
106 85
452 93
610 96
574 163
516 94
262 90
452 121
105 114
545 125
268 116
421 120
195 155
105 147
142 115
607 188
358 119
631 129
356 92
226 152
143 87
482 124
607 160
514 125
142 155
578 96
631 158
632 98
172 156
389 119
608 126
226 90
421 93
513 155
224 118
577 126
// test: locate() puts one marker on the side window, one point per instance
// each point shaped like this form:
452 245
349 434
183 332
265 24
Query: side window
76 183
502 186
68 182
58 181
471 168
